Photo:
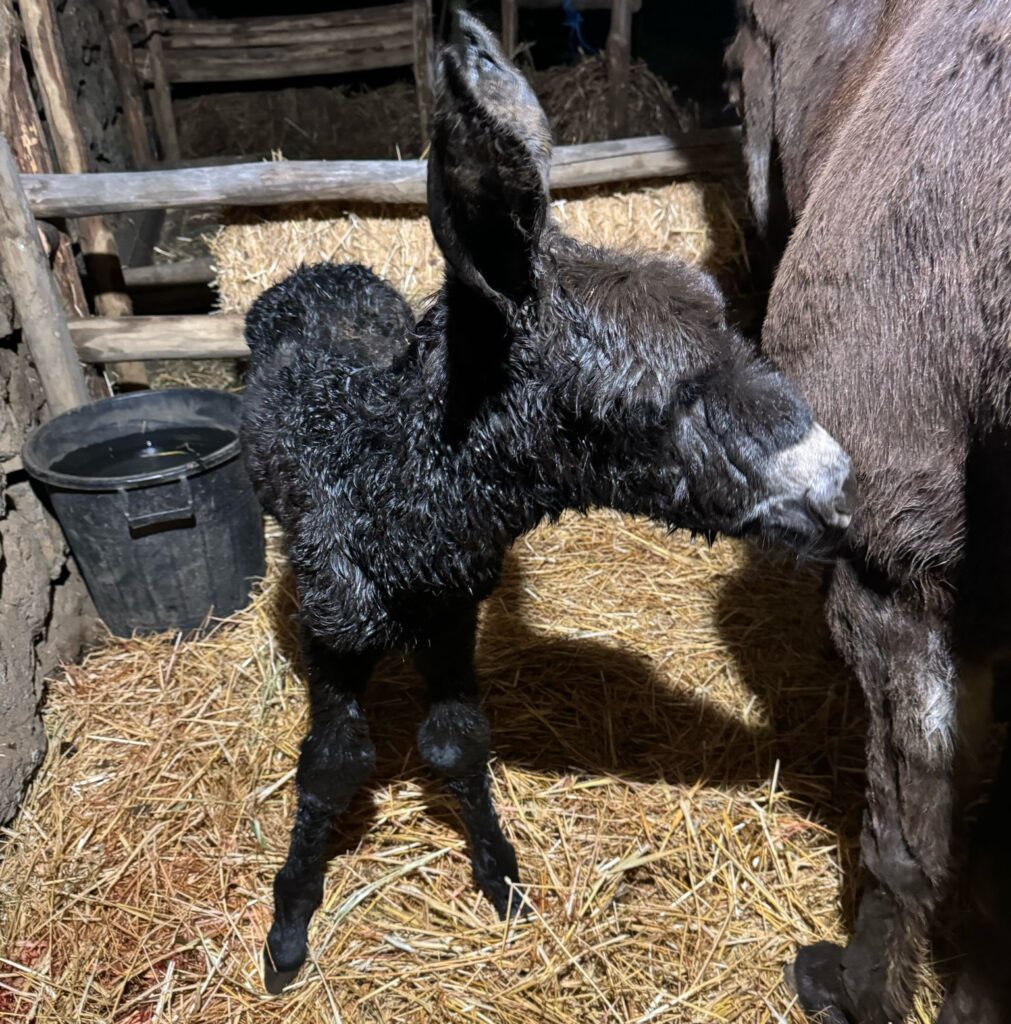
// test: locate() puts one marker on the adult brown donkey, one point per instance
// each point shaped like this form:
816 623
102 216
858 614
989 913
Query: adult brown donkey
880 132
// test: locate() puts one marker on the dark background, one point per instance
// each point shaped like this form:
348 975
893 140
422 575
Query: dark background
681 40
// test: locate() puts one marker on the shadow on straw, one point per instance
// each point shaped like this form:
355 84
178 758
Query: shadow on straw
562 706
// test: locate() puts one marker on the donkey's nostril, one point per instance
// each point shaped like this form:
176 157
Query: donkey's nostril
846 503
834 510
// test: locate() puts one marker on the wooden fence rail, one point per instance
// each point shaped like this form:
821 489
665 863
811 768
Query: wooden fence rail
106 339
712 151
112 339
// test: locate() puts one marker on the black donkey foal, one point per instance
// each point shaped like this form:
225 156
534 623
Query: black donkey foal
402 460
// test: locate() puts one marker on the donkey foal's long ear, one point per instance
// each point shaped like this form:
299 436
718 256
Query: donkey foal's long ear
488 169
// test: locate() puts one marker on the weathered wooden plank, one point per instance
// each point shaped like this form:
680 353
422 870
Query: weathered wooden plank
158 275
423 63
211 36
300 23
654 156
307 52
22 126
619 51
110 340
101 253
125 70
510 27
153 70
714 151
26 271
267 183
253 65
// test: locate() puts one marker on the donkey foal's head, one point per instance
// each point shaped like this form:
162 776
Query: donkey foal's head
658 406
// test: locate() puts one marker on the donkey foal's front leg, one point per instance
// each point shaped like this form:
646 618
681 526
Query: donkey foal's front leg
454 740
336 758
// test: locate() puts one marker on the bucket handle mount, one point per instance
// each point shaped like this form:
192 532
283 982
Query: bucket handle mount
178 506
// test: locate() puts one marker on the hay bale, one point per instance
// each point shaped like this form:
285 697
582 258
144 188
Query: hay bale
574 98
699 222
306 122
677 763
695 221
342 123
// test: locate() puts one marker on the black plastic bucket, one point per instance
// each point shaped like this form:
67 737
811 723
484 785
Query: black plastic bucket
159 547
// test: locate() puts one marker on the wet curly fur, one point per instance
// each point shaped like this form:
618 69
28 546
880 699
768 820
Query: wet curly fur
401 482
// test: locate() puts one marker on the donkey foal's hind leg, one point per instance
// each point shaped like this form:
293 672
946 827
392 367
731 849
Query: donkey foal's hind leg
336 758
454 740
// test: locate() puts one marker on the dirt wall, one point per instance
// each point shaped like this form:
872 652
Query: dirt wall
45 614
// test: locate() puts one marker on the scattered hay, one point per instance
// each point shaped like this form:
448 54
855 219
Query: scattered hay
220 374
695 221
678 764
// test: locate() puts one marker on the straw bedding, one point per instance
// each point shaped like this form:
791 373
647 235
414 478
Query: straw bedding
678 764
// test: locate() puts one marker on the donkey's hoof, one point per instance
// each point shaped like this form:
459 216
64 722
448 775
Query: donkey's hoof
509 900
816 977
276 978
516 906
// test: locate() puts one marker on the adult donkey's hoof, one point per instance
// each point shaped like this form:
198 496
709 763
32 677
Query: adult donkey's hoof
816 977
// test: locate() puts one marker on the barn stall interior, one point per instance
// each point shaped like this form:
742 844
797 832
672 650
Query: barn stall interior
677 750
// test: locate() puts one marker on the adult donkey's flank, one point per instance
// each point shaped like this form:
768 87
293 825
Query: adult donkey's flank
888 125
402 460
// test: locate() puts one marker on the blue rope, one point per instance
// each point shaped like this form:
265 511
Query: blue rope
573 21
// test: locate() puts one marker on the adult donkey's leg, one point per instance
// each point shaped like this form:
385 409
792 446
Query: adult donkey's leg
900 650
982 991
336 758
454 740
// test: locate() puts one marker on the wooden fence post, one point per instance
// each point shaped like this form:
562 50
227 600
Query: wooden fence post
423 63
114 18
161 87
619 46
510 27
26 271
20 123
101 253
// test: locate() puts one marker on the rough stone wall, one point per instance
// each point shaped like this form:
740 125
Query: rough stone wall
45 614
